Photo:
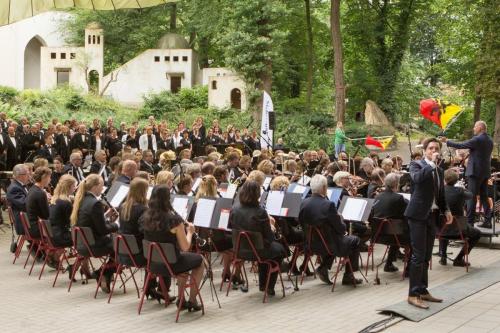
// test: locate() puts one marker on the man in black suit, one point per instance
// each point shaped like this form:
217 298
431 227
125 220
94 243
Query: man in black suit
74 167
478 170
390 204
63 143
31 142
426 203
320 212
12 148
81 140
147 163
17 193
129 169
99 165
47 150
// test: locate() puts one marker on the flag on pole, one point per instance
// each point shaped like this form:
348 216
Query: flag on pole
439 112
266 134
382 143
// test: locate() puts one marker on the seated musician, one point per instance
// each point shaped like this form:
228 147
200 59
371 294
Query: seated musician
220 240
162 224
17 194
185 185
88 211
129 169
376 182
249 216
392 205
318 211
74 167
456 198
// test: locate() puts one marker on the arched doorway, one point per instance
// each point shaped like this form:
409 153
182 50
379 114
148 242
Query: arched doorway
32 63
236 99
94 82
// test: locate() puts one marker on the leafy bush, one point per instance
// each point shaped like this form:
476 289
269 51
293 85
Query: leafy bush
76 102
159 104
33 98
7 94
195 98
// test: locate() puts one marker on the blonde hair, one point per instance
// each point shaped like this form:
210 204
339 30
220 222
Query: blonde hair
266 166
258 176
279 183
163 177
137 194
62 190
207 188
86 185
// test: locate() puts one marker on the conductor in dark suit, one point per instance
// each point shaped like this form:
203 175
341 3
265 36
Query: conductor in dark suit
478 170
426 204
320 212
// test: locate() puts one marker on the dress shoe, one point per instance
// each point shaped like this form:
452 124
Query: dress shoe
390 268
430 298
460 263
418 302
350 279
400 255
443 261
323 275
485 225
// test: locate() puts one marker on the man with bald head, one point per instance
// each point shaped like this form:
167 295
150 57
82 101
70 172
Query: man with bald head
478 170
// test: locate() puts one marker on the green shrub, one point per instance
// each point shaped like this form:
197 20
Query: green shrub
8 94
76 102
159 104
195 98
33 98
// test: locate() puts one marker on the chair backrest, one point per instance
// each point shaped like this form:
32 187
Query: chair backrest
83 240
23 216
126 244
45 232
247 244
456 228
159 252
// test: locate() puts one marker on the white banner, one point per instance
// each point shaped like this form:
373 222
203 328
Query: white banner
266 135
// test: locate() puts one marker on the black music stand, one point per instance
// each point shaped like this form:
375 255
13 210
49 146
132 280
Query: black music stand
182 204
333 194
354 209
289 204
301 189
117 193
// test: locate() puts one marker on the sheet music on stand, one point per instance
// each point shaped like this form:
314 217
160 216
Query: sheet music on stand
274 202
304 180
333 194
221 214
204 211
407 196
355 209
196 184
150 191
228 190
297 188
267 182
180 205
119 196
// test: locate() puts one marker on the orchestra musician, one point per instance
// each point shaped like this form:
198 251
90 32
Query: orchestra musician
88 211
247 215
17 193
99 165
162 224
318 211
426 203
390 204
456 197
74 167
128 171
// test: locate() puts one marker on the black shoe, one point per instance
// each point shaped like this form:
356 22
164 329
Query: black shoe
443 261
485 225
270 292
350 279
400 255
69 269
295 271
390 268
460 263
323 275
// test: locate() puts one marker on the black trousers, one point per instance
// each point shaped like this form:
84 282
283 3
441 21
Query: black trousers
471 234
422 235
350 246
478 186
276 252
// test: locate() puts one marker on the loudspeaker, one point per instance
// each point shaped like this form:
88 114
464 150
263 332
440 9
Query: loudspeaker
272 121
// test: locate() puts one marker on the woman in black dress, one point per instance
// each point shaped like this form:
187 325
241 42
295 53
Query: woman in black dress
37 203
88 211
60 211
163 225
249 216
